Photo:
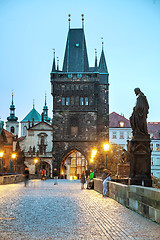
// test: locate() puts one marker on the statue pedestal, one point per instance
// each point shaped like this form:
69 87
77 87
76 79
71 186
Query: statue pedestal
140 161
123 170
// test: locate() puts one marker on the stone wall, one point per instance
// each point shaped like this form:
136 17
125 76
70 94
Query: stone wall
9 179
143 200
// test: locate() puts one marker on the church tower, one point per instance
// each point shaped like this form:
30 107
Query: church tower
12 125
45 112
80 102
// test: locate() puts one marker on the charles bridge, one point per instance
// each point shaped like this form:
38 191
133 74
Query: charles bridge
43 210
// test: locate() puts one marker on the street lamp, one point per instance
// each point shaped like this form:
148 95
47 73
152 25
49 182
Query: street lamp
14 157
36 161
106 147
1 156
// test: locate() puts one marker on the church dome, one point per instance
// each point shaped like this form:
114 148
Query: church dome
33 114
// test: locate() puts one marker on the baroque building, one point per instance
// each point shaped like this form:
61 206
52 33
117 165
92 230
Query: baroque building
80 105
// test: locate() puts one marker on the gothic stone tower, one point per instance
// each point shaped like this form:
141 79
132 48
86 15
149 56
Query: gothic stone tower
80 100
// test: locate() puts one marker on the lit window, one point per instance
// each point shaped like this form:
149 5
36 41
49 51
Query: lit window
114 136
121 124
121 135
86 101
157 147
81 101
63 101
67 101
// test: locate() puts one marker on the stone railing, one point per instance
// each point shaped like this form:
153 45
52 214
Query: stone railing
143 200
9 179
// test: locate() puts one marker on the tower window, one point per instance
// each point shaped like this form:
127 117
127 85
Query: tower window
68 101
81 101
12 129
86 101
63 101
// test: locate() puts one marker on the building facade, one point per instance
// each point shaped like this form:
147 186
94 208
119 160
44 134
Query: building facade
37 145
80 104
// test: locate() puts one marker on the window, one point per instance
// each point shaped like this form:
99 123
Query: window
121 135
74 131
158 161
114 136
81 101
68 101
63 101
151 146
157 147
69 75
121 124
12 129
86 101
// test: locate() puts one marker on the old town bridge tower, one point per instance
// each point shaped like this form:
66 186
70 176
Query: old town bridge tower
80 105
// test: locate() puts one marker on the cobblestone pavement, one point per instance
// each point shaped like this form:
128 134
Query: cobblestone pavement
47 211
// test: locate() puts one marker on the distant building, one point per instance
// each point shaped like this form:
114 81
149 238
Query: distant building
37 144
80 105
120 132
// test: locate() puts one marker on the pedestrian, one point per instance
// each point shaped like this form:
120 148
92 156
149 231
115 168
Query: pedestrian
107 178
82 180
91 182
26 176
43 174
55 176
87 177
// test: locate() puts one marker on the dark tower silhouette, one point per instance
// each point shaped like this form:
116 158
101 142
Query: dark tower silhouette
80 100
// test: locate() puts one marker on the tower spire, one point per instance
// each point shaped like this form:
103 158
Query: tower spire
82 15
12 108
54 62
12 97
102 62
45 110
57 63
69 19
95 59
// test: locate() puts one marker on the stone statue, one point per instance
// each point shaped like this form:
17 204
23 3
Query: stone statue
138 119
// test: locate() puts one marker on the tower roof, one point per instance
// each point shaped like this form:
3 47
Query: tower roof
75 58
33 114
12 117
102 63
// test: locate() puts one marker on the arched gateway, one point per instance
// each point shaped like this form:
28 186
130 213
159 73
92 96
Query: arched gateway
73 164
80 105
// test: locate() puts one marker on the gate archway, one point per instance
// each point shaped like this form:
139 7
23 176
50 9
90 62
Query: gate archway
73 164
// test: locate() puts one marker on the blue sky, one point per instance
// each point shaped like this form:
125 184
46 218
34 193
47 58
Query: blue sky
30 29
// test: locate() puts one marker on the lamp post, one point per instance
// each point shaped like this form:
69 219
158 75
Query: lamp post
106 147
36 161
1 156
14 157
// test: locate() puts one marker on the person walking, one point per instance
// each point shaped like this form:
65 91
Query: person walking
106 177
26 176
82 180
55 176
